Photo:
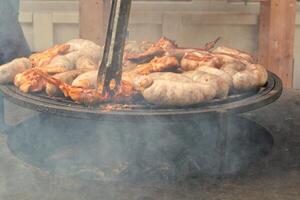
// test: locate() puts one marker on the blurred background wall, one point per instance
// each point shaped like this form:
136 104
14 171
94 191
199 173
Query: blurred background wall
189 22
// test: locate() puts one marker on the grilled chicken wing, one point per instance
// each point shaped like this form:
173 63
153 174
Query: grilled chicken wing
158 64
157 49
45 57
30 81
66 77
90 96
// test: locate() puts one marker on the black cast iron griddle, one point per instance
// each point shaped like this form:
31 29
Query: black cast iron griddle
237 103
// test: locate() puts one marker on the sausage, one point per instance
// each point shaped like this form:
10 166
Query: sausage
85 62
220 85
171 93
252 77
170 89
10 70
226 77
233 67
66 77
87 80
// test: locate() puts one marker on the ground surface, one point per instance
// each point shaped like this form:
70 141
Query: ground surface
275 177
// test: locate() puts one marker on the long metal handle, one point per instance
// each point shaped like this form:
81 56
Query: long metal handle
111 66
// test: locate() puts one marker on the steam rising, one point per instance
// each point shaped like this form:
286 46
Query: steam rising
126 150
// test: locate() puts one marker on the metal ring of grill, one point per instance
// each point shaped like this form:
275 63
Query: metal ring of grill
64 107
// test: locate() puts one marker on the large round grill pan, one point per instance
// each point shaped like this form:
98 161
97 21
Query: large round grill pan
60 106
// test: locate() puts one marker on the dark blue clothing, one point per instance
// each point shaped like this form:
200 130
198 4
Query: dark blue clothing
12 40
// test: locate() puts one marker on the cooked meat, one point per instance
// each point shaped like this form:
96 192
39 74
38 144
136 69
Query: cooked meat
87 80
192 61
158 64
10 70
254 76
66 77
157 49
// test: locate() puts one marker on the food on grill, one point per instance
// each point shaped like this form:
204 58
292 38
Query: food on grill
10 70
227 55
87 80
58 64
89 96
221 86
157 49
30 81
85 62
158 64
44 58
162 73
194 60
226 77
174 91
66 77
254 76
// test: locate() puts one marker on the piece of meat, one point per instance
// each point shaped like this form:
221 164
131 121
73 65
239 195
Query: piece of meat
85 62
229 55
44 58
87 80
90 96
58 64
10 70
66 77
170 89
157 49
253 77
233 67
192 61
226 77
30 80
220 85
158 64
172 93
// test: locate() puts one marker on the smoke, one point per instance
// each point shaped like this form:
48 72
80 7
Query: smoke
137 150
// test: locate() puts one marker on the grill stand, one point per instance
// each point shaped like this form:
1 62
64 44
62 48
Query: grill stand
222 141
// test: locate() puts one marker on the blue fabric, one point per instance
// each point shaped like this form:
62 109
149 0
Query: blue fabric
12 40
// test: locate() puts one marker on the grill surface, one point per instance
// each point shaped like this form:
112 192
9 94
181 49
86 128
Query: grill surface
64 107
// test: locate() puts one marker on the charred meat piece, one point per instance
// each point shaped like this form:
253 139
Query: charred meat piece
30 81
158 64
90 96
192 61
157 49
228 55
66 77
45 57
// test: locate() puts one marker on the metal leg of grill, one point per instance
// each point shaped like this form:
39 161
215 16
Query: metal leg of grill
222 142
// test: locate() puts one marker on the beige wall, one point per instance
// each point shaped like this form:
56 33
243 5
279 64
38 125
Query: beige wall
192 23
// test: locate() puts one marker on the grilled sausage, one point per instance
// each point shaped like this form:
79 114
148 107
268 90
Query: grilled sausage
87 80
226 77
220 85
173 89
252 77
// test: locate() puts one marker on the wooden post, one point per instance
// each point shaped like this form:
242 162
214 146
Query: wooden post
93 19
276 38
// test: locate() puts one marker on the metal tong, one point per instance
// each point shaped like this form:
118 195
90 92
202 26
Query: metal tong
110 70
